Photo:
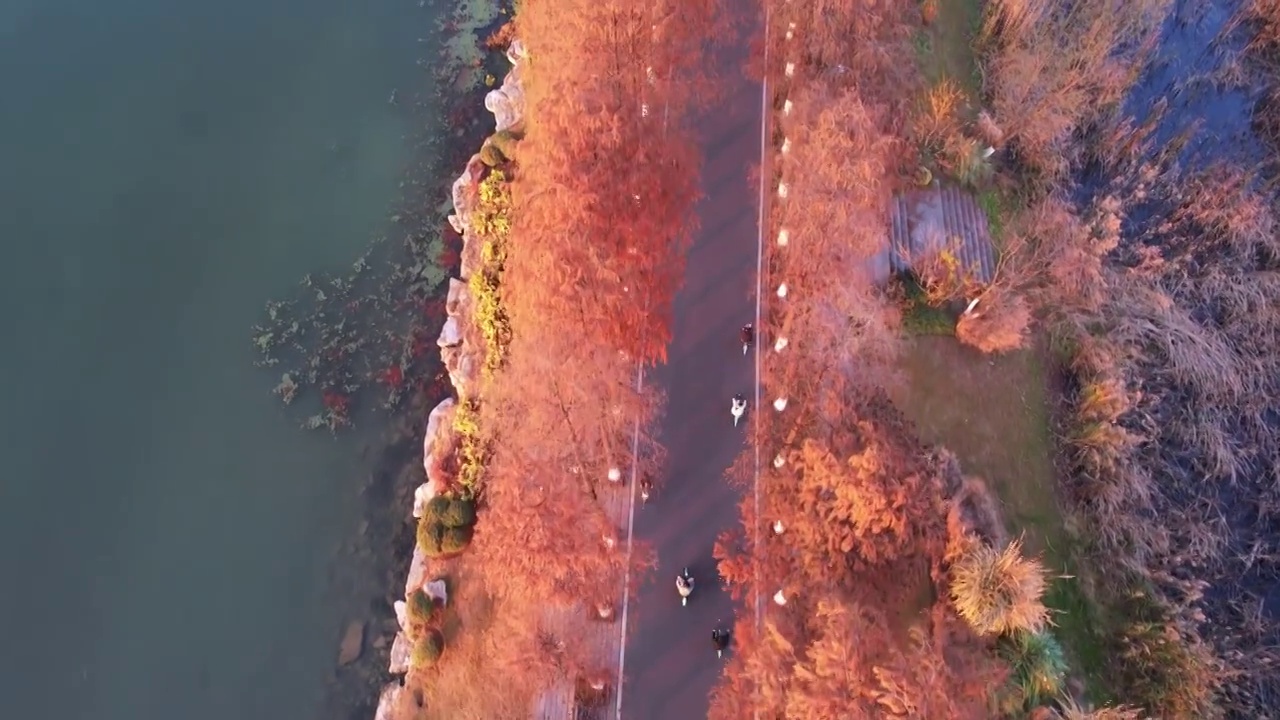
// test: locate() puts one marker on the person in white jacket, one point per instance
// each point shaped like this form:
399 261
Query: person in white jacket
738 408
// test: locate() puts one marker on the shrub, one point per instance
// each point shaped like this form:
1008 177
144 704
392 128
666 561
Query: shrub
939 117
430 532
456 540
491 156
436 509
1070 710
450 512
438 540
999 592
427 651
1039 668
965 159
1161 669
1000 324
472 448
459 513
505 142
422 611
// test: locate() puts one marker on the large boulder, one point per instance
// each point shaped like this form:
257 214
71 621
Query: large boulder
419 571
466 194
463 366
507 102
401 653
516 52
352 643
389 702
439 419
458 301
439 426
450 334
437 447
437 590
469 259
402 612
439 467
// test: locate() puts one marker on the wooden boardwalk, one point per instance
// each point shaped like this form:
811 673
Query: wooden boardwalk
603 640
941 217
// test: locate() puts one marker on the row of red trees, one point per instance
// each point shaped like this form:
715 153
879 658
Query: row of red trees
851 530
603 195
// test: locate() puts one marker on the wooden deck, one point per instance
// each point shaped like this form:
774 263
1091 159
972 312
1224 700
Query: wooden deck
603 639
926 221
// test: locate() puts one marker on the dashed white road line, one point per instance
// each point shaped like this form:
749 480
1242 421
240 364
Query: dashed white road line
760 224
631 525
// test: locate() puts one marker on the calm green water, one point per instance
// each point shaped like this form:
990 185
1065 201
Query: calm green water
166 166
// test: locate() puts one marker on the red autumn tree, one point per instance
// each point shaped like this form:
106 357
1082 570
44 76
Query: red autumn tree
602 209
609 211
851 507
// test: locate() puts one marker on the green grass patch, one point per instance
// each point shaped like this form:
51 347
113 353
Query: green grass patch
993 413
921 319
918 316
997 208
945 46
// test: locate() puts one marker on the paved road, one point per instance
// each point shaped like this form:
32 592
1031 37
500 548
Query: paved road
670 661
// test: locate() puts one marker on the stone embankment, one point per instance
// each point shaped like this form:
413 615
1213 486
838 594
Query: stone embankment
462 351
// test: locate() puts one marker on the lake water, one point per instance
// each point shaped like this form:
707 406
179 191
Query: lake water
166 530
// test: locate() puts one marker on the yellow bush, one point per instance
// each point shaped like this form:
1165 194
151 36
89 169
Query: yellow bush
471 447
492 223
999 592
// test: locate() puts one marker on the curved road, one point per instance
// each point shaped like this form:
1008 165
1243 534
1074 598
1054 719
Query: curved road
670 664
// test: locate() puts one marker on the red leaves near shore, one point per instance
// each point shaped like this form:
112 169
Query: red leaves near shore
602 211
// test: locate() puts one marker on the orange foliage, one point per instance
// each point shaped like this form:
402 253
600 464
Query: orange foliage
851 510
850 665
606 217
1051 72
601 212
1001 323
848 501
603 207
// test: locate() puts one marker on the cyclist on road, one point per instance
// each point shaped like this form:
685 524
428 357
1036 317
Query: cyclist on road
720 637
738 407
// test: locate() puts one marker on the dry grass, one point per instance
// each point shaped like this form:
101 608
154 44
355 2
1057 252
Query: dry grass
1000 323
940 110
1164 294
1051 70
999 591
1173 332
1198 329
1265 15
1071 710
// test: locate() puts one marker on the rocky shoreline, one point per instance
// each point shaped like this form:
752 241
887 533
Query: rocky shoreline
462 350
